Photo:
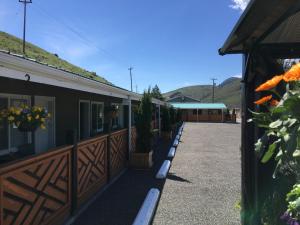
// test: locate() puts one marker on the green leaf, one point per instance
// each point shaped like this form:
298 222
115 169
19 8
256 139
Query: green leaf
261 143
275 124
269 153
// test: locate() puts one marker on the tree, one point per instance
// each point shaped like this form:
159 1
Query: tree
155 93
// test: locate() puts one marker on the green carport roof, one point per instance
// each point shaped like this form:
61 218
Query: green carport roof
199 105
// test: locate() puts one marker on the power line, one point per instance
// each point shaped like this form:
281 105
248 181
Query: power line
86 40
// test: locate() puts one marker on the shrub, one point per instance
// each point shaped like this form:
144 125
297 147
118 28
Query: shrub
172 115
166 122
143 123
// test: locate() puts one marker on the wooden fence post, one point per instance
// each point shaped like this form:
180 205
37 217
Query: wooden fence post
74 192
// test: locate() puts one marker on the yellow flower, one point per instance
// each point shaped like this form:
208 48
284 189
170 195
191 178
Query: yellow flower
18 112
43 127
49 115
11 118
29 118
37 117
43 119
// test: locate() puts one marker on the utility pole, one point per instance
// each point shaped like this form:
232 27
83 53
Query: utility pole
213 93
130 69
25 2
136 88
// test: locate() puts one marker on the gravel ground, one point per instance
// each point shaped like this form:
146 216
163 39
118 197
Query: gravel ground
203 184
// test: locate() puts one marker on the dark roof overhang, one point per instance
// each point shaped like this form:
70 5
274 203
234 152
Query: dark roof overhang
265 22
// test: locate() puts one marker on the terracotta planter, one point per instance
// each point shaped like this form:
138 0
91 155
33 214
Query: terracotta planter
141 160
166 135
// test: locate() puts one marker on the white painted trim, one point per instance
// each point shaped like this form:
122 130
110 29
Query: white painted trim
175 143
178 137
164 169
146 212
171 153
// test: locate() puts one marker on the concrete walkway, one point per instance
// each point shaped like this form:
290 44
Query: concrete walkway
204 181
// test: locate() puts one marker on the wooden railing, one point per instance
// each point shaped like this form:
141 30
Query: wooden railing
46 189
91 167
37 190
118 151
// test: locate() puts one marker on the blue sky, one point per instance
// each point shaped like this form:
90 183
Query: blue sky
172 43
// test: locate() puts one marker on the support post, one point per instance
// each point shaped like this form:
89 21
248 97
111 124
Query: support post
159 121
74 203
129 127
197 116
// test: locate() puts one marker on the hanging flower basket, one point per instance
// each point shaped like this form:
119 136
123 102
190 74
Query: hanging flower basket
27 127
112 110
25 118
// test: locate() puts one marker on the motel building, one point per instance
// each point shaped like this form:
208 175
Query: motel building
47 175
201 112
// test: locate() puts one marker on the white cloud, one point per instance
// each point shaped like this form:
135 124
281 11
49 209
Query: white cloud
237 75
239 4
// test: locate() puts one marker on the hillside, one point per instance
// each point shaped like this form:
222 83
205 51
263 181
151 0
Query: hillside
228 92
14 45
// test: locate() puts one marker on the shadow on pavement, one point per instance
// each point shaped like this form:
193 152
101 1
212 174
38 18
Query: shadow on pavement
172 176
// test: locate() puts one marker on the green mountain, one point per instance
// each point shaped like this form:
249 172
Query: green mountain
228 92
13 44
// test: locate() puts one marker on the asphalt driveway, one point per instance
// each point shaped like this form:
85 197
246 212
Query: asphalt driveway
204 181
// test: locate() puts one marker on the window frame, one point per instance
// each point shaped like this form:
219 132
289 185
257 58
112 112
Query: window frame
91 116
29 138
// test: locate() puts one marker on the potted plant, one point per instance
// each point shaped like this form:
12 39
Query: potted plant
166 129
278 117
142 158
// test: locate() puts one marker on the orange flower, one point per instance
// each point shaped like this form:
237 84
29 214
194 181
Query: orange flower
270 83
263 100
293 74
274 102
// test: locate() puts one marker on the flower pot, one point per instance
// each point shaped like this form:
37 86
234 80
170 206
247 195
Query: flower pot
27 127
166 135
141 160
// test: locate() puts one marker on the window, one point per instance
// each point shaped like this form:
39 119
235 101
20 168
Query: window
11 138
200 111
97 117
195 112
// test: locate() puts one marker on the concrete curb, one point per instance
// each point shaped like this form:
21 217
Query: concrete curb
146 212
164 169
171 153
175 143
